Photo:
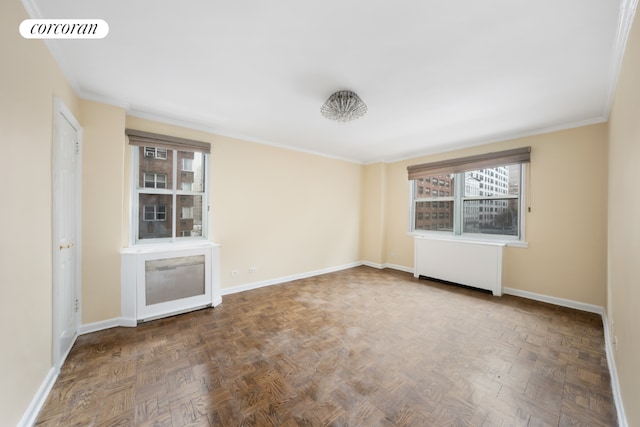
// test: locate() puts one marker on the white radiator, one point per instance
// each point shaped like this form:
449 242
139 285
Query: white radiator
466 263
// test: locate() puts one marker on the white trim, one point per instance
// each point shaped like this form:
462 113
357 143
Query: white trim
386 265
447 147
374 265
466 238
31 414
88 328
591 308
204 127
279 280
613 373
625 20
399 268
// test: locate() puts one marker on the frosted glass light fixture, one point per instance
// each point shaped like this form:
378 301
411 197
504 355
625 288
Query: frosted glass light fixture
343 106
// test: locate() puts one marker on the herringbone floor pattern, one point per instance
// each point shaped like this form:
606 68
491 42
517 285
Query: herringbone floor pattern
360 347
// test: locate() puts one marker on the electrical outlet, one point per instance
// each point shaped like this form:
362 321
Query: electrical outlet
234 273
252 269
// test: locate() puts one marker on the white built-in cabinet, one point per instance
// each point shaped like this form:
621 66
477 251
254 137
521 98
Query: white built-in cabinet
163 280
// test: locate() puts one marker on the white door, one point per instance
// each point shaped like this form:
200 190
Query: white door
66 231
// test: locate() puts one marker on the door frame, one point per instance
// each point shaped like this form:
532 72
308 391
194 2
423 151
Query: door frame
62 112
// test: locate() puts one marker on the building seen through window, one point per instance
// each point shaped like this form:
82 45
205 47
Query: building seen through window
171 193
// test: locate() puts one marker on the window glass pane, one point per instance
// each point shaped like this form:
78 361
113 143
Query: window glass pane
192 174
155 216
151 167
149 180
434 187
491 216
434 216
190 211
496 181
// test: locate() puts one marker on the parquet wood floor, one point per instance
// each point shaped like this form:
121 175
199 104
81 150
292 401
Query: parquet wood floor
360 347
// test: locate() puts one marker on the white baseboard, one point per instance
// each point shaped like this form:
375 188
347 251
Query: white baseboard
556 301
613 372
399 268
105 324
276 281
386 265
373 265
31 415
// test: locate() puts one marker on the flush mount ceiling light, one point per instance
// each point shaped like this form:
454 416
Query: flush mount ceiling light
343 106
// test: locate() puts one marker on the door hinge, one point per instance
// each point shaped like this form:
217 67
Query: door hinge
77 147
77 305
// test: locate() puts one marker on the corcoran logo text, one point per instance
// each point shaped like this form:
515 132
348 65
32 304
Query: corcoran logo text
64 29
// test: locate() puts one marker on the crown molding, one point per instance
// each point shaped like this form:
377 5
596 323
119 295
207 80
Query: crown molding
189 124
445 148
625 20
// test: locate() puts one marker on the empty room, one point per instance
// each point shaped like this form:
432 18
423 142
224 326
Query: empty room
332 214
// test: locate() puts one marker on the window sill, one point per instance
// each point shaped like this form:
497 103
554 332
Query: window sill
169 246
469 239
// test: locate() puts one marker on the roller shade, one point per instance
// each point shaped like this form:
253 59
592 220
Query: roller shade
141 138
463 164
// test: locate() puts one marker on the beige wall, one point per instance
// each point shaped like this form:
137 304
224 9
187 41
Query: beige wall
102 206
280 211
566 228
29 80
624 226
372 216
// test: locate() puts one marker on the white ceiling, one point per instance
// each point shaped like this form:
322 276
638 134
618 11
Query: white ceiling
435 75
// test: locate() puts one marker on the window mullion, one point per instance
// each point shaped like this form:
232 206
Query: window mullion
458 204
174 186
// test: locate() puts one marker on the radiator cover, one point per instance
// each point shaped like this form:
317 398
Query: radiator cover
159 281
476 264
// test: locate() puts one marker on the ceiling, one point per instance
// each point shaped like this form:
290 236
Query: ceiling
435 75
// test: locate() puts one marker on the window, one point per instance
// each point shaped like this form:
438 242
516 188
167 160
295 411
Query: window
155 212
187 212
169 188
155 180
477 204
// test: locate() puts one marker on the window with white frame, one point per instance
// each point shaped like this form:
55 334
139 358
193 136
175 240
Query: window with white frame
155 212
155 180
485 197
169 188
187 212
